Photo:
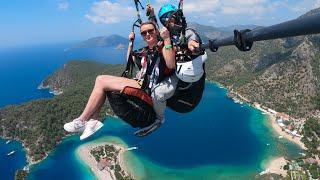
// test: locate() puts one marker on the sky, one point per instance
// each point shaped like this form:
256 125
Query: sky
28 22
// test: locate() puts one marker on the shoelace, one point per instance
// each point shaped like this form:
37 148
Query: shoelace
78 124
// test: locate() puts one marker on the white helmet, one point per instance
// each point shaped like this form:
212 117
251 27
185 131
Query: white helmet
191 71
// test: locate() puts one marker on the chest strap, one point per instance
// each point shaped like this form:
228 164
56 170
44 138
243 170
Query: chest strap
152 59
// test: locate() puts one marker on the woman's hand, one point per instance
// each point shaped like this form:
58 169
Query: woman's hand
165 34
150 10
193 46
131 36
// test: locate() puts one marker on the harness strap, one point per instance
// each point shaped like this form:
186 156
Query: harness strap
129 67
150 68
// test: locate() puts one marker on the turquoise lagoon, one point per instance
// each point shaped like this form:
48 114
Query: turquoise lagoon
218 140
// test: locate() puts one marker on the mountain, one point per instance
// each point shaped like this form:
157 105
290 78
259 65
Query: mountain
70 73
40 135
238 27
312 12
103 41
283 74
209 32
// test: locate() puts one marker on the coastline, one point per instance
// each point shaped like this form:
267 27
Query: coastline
280 132
83 152
275 166
29 160
271 118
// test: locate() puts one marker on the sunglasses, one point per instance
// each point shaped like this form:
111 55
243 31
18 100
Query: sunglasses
149 31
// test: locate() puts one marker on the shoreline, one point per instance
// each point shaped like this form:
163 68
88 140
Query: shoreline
276 128
83 152
29 160
275 165
271 118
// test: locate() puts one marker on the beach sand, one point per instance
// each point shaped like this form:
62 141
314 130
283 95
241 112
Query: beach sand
276 166
85 155
278 130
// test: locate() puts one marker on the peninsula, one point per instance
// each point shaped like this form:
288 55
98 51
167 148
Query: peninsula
105 160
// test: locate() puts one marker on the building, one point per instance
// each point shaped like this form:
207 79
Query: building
272 111
295 133
281 125
103 163
257 105
310 161
283 116
287 130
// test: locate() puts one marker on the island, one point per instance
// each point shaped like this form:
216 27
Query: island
105 160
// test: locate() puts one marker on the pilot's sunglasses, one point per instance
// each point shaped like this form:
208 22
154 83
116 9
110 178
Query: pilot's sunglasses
149 31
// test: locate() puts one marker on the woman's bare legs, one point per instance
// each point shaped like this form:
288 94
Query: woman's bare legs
97 98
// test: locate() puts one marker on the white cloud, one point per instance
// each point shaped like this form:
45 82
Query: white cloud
203 6
162 1
207 11
106 12
316 4
257 7
304 5
63 6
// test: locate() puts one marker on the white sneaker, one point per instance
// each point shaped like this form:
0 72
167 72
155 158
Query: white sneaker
75 126
91 127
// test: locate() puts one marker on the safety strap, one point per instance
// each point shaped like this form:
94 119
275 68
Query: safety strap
129 67
150 67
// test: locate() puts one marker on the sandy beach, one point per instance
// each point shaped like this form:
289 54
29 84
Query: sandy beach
276 166
85 155
278 129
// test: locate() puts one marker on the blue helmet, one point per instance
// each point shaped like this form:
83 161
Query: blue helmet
166 9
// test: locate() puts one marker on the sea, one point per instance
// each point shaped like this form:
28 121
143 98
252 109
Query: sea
220 139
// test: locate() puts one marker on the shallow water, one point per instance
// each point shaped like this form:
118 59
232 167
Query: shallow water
220 139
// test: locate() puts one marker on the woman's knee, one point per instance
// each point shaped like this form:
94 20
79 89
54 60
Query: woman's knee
102 80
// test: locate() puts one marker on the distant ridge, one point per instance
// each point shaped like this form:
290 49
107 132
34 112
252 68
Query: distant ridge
312 12
211 32
238 27
103 41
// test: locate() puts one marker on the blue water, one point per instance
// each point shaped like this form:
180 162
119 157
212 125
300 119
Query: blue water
217 133
22 70
9 164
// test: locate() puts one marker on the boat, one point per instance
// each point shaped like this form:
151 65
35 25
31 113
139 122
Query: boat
236 100
132 148
280 137
264 172
302 154
26 168
8 141
10 153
